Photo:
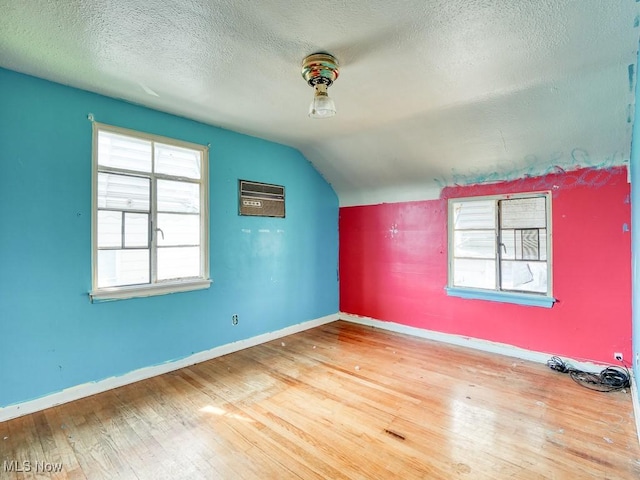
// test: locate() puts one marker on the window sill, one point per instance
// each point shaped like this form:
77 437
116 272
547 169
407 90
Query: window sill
136 291
504 297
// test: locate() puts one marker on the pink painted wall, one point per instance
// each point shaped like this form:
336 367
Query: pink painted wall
393 267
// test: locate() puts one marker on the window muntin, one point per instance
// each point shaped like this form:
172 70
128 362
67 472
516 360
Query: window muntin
501 243
150 226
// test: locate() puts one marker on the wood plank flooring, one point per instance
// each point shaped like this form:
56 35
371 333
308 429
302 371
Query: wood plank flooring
341 401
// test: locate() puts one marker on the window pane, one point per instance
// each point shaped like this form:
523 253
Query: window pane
123 192
121 151
543 244
523 213
178 229
178 262
122 267
474 273
530 244
109 229
508 244
136 230
177 161
475 244
178 196
524 276
474 215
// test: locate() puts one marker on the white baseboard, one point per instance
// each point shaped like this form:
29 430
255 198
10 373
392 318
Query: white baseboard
92 388
469 342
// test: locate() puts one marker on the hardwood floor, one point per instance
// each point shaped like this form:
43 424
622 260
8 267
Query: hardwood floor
338 401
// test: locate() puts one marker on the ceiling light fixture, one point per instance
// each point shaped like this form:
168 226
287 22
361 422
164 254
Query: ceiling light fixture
320 70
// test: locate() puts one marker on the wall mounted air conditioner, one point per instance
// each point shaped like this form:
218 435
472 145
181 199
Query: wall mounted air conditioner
260 199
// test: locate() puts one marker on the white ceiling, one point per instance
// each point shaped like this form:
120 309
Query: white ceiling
430 92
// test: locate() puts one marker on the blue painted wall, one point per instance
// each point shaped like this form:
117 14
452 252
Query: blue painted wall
635 233
271 272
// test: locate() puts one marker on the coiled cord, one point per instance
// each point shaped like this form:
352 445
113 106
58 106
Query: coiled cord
608 380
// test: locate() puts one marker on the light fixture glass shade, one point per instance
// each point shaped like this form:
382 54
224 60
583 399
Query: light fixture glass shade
322 105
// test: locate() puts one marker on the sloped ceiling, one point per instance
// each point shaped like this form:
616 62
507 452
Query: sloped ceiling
430 93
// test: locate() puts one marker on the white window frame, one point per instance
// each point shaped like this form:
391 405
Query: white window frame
497 294
154 287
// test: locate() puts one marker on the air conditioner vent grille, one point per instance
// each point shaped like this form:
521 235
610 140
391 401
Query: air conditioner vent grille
261 199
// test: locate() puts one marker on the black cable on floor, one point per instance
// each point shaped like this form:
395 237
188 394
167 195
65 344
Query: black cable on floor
608 380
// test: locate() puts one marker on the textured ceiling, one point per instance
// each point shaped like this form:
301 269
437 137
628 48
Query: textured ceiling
431 92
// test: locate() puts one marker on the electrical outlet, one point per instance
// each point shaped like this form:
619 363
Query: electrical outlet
618 356
234 319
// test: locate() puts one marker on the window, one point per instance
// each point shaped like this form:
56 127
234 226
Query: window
150 215
500 248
